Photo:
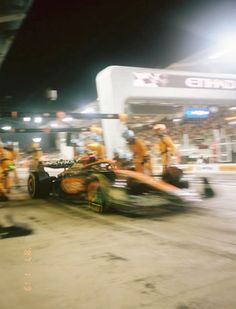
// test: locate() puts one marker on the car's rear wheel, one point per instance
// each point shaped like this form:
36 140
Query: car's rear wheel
38 185
96 197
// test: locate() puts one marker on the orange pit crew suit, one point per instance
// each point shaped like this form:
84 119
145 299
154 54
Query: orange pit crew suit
3 196
165 147
141 157
36 154
7 165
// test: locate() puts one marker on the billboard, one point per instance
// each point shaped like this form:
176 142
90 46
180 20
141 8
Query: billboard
196 113
154 80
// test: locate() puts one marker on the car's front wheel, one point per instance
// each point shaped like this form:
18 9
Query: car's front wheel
38 185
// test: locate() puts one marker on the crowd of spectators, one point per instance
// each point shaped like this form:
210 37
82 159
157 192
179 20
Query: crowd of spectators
200 133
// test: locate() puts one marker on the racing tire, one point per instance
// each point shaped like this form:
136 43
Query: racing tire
39 184
96 197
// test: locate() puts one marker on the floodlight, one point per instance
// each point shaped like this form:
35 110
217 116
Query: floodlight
36 139
7 128
38 119
67 119
27 119
53 125
88 110
227 46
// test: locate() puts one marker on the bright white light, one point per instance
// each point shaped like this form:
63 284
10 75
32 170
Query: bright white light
6 128
177 120
199 112
227 46
67 119
38 119
232 122
214 109
37 139
218 54
26 119
88 110
54 125
232 108
228 43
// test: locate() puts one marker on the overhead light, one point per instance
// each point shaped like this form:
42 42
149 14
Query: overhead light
88 110
7 128
36 139
38 119
67 119
53 125
27 119
227 46
218 54
232 108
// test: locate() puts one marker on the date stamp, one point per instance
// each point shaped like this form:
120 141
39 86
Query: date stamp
28 276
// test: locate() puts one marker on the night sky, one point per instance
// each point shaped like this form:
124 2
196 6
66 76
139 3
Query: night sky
63 44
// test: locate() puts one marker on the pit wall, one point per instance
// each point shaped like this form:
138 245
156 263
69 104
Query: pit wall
203 168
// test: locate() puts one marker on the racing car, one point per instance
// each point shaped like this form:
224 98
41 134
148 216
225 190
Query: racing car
103 186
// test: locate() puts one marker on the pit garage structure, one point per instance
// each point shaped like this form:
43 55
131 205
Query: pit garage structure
12 15
119 88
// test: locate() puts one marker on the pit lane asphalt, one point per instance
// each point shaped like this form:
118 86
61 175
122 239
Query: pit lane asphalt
179 258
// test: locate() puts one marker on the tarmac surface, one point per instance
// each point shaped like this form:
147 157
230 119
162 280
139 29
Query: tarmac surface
70 257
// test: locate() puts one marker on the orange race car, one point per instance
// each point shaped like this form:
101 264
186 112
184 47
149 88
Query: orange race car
104 187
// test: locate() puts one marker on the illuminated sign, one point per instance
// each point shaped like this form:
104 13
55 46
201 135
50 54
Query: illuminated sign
161 80
195 82
196 113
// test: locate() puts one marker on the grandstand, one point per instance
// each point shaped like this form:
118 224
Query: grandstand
213 137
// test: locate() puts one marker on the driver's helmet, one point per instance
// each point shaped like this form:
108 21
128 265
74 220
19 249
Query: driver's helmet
92 157
88 157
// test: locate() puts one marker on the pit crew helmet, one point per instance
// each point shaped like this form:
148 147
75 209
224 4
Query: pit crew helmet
128 134
160 128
